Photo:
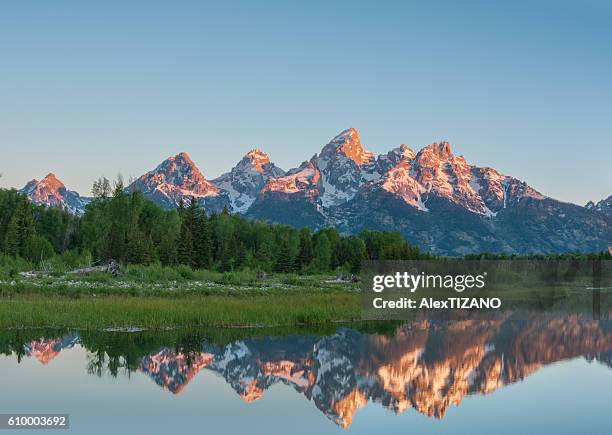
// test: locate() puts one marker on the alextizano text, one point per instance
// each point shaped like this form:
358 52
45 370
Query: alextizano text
430 303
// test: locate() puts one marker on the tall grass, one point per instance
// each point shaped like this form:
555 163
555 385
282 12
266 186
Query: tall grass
157 313
156 296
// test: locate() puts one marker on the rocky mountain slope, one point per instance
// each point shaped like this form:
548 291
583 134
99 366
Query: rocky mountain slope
434 198
242 184
604 206
174 180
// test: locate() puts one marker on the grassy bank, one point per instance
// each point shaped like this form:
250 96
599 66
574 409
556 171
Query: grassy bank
157 298
154 312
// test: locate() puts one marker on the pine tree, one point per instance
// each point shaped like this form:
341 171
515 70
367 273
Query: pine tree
322 253
226 259
118 213
263 254
21 227
284 259
202 242
355 251
240 253
186 254
185 246
136 250
306 252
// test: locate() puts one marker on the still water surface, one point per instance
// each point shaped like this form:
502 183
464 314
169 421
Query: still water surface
508 376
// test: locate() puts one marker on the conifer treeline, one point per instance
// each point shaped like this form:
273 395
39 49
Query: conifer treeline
128 228
34 232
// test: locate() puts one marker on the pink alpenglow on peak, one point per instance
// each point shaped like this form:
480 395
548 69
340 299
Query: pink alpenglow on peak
176 180
348 144
52 181
302 179
51 192
344 166
434 198
241 186
257 158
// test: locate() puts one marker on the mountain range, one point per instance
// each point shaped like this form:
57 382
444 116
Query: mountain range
434 198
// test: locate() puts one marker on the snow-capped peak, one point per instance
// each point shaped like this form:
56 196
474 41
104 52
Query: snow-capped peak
299 179
244 182
393 157
344 166
435 171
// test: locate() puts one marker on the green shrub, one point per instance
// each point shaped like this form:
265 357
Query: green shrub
37 249
11 266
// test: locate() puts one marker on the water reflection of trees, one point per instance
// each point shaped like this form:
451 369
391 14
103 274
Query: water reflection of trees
424 365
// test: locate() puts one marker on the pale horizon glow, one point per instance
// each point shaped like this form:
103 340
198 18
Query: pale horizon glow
90 90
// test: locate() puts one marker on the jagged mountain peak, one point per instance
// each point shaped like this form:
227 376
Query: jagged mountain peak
51 192
49 180
52 180
348 144
303 178
257 155
181 159
403 152
256 159
405 149
344 165
392 158
180 168
185 156
348 134
441 150
177 179
604 206
242 184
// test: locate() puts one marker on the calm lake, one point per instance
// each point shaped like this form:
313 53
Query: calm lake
544 376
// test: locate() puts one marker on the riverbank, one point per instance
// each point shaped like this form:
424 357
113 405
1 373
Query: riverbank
154 312
142 300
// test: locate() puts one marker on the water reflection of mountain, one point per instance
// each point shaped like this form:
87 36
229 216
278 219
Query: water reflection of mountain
45 349
423 365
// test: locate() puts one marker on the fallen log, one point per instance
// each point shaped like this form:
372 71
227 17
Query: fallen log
111 267
31 274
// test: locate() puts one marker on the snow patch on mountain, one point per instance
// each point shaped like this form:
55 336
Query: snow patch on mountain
244 182
344 166
306 177
398 181
604 206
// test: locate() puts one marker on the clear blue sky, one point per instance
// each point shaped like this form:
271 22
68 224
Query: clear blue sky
96 88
